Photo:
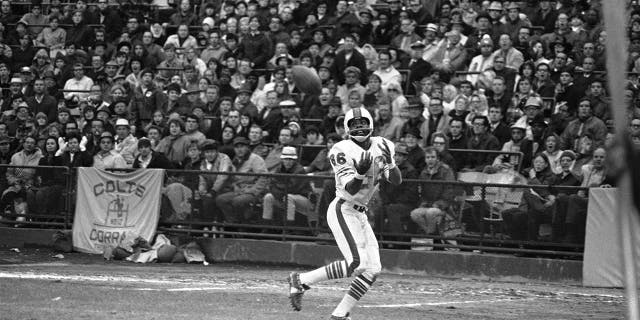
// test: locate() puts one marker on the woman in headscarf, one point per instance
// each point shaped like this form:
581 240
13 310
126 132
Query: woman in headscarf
41 63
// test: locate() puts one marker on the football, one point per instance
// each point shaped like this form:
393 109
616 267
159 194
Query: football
306 79
166 252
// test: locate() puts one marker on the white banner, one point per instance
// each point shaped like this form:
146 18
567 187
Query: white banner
602 265
113 206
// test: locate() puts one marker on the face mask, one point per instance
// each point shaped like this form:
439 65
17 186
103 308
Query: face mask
361 138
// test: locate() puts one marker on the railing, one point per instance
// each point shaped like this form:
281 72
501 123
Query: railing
510 154
485 213
14 194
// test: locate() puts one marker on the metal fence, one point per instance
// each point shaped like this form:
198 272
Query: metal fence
484 217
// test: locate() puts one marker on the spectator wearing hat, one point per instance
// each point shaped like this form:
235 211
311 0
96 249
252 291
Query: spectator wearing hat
517 143
285 138
364 30
483 61
107 157
418 67
175 145
320 107
244 103
235 205
585 123
570 223
349 57
532 109
125 143
41 101
415 154
393 215
289 193
431 41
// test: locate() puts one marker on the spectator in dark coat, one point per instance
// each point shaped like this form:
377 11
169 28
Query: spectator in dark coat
72 156
150 159
255 46
415 154
79 33
418 67
43 102
349 57
270 118
498 128
480 140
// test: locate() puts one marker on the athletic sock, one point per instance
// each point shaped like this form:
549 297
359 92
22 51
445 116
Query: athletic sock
359 286
334 270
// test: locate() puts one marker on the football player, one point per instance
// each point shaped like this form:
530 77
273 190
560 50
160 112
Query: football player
359 163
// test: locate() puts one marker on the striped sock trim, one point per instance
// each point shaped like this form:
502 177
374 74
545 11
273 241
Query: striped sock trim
359 287
336 269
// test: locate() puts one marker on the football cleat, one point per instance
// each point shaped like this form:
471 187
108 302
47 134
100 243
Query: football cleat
296 290
346 317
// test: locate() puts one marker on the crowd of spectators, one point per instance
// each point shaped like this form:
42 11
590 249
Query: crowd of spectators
207 85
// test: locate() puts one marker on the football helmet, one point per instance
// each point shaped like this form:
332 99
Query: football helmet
358 124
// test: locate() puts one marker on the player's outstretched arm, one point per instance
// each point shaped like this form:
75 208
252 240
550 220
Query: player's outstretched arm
361 167
392 171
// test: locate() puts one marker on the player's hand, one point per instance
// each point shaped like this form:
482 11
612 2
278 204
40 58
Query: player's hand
386 152
362 166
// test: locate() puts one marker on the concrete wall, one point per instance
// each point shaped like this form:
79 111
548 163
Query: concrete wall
435 263
431 263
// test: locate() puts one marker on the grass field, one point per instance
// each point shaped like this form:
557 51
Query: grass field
33 285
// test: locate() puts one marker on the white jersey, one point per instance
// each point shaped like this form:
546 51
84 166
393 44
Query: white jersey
342 156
